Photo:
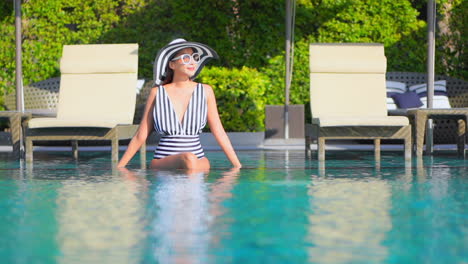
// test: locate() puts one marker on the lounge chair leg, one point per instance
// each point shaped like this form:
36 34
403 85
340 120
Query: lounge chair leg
15 125
466 131
308 141
143 156
377 149
321 148
74 144
29 150
115 150
408 148
321 167
461 138
419 132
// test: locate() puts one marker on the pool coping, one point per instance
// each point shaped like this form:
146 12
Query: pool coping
240 141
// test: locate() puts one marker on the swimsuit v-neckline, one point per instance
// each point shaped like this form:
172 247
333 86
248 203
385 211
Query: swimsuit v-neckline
180 121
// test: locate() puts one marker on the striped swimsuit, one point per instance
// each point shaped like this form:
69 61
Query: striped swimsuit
177 137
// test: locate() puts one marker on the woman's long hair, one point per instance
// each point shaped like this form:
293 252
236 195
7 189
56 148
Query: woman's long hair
169 75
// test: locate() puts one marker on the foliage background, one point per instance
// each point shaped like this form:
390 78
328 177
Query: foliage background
248 35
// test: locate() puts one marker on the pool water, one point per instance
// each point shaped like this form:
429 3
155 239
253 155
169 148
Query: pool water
280 208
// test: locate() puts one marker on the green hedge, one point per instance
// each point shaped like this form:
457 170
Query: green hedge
246 33
387 22
393 23
47 26
240 96
453 45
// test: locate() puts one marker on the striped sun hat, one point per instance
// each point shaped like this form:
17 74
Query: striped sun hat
169 51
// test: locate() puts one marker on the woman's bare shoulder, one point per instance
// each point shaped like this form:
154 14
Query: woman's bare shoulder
154 89
208 89
153 92
206 86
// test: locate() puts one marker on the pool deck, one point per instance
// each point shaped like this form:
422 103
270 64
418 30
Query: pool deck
240 141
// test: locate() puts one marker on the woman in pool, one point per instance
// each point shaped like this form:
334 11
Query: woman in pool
178 109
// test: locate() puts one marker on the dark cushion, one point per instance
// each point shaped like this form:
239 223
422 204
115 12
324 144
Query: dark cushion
407 100
391 94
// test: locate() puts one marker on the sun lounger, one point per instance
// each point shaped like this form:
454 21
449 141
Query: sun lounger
348 97
96 100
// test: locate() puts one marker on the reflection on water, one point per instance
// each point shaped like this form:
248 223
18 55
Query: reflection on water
100 221
348 215
280 208
186 207
180 224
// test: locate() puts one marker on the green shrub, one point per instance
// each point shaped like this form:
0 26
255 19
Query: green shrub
244 33
240 96
393 23
47 26
275 71
452 44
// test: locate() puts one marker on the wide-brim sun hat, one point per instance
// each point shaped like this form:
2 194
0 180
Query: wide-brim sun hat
169 51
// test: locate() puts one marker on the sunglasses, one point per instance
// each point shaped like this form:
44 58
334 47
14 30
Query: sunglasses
187 58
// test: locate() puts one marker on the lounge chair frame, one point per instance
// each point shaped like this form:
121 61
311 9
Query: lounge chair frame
118 63
84 133
375 133
353 69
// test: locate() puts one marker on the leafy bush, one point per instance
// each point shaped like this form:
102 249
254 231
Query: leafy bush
453 44
47 26
387 22
240 96
244 33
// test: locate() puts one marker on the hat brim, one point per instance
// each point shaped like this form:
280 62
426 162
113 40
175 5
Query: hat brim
167 52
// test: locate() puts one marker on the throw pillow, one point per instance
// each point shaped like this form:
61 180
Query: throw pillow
407 100
441 99
394 88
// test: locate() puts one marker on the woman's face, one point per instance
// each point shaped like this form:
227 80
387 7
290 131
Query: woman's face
179 67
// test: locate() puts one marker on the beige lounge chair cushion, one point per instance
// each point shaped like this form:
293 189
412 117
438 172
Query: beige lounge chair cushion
98 97
105 58
343 94
348 81
97 86
337 121
341 58
55 122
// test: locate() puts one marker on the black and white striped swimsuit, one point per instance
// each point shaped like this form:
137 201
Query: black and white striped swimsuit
177 137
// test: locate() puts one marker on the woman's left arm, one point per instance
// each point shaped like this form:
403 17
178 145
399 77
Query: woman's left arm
217 128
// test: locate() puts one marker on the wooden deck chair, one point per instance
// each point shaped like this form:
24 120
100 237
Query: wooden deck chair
348 97
96 99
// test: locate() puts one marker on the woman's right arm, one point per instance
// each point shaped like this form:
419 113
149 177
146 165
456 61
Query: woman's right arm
145 129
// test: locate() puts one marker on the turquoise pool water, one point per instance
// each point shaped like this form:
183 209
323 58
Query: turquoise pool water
280 208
